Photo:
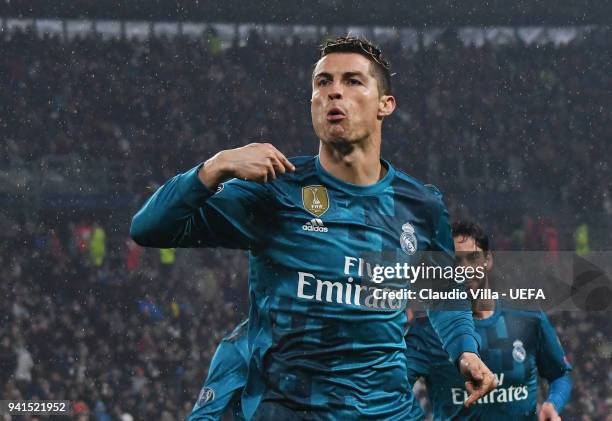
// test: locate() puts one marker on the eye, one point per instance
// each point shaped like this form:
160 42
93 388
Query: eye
322 82
354 81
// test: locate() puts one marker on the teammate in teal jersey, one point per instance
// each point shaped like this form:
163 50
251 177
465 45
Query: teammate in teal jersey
517 345
222 390
321 345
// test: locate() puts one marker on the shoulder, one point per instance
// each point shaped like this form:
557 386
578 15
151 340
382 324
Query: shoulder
528 320
425 191
422 197
516 310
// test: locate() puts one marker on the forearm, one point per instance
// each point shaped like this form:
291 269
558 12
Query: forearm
453 321
171 215
456 331
215 171
560 391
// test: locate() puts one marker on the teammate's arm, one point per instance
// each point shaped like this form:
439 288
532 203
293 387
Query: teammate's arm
559 392
453 322
554 367
186 212
220 393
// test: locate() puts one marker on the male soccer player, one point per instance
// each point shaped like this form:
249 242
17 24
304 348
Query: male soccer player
321 345
517 345
226 378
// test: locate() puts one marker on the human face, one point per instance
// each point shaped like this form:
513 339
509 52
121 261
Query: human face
346 106
469 254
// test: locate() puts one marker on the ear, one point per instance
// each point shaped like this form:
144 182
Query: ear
386 106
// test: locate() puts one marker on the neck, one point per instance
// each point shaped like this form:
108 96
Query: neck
353 163
483 309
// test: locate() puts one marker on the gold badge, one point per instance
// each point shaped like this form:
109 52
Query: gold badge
315 199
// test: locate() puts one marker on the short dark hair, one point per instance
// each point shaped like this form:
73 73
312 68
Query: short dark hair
349 44
473 230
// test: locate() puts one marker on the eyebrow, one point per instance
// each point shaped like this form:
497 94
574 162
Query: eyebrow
473 253
345 74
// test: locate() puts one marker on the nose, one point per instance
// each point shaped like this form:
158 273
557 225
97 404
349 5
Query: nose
335 91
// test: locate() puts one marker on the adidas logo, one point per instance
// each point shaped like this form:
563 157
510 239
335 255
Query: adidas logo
315 224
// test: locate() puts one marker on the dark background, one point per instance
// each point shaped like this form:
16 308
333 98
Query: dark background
517 136
321 12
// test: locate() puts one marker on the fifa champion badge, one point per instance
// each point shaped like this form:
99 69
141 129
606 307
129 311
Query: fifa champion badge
315 199
408 240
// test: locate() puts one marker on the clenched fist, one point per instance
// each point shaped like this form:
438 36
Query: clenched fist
260 162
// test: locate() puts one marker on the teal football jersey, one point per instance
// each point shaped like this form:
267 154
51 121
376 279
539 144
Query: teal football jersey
516 345
222 390
321 344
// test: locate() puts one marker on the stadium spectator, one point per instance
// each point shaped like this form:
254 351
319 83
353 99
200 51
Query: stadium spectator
507 122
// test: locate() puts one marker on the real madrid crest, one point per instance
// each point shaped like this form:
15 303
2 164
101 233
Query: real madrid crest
518 351
315 199
408 239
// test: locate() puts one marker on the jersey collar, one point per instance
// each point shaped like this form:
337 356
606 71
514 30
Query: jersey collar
489 321
371 189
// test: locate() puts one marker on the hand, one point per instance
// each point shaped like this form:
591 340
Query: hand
259 162
480 380
548 413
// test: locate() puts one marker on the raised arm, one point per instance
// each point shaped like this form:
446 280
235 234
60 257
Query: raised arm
187 212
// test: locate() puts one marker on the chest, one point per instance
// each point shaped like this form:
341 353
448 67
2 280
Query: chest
322 224
510 346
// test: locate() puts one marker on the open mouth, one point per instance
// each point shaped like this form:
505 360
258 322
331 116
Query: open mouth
335 114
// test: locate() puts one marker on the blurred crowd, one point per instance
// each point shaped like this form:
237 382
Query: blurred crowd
505 132
516 137
124 335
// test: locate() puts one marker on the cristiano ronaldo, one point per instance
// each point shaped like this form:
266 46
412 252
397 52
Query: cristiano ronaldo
321 346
